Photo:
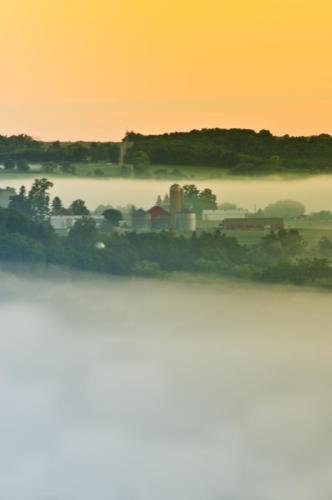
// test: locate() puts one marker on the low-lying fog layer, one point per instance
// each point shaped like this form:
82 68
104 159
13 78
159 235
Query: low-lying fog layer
138 390
314 192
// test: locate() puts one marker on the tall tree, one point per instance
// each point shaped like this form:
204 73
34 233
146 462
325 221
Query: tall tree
208 200
21 203
83 233
57 206
40 199
78 207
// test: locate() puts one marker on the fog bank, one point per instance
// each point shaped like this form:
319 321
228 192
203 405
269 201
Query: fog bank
314 192
139 390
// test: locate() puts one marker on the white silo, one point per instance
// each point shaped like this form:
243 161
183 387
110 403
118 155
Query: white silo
186 221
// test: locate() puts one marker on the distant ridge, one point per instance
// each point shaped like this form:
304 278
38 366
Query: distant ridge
239 151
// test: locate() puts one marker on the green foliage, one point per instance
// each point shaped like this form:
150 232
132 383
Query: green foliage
147 268
98 172
68 168
240 151
197 200
9 164
57 206
39 198
16 247
141 162
78 207
112 216
300 272
279 257
283 244
22 166
285 209
83 233
325 247
35 204
49 167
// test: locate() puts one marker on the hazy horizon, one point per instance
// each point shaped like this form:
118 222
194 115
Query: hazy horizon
92 70
165 131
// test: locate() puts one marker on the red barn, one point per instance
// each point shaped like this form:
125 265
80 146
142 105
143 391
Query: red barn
159 217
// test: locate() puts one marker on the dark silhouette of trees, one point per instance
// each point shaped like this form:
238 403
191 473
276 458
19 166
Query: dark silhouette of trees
57 206
78 207
112 216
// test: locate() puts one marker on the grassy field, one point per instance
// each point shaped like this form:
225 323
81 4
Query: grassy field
156 171
167 172
183 172
311 233
102 169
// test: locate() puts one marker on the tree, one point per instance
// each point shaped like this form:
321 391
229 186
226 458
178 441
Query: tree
325 246
78 207
49 167
285 208
40 199
286 243
190 196
208 200
57 206
22 166
141 163
83 233
112 216
77 151
197 200
9 164
21 203
68 168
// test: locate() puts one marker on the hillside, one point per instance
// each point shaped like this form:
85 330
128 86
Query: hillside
239 151
235 151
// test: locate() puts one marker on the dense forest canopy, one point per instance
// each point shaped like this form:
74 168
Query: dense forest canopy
239 151
25 147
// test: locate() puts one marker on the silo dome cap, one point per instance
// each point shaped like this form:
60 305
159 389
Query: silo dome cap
100 245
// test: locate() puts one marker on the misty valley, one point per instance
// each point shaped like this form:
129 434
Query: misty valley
193 385
165 250
165 339
130 388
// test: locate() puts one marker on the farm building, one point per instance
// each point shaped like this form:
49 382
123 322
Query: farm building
140 221
5 195
160 218
186 221
218 215
214 218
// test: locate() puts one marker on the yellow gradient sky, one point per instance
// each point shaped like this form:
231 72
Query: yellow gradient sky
81 69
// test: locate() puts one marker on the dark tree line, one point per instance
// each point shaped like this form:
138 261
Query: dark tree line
239 150
22 147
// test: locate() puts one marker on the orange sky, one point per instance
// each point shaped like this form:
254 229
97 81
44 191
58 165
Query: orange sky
81 69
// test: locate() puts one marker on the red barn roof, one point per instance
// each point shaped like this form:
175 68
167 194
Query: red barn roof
157 212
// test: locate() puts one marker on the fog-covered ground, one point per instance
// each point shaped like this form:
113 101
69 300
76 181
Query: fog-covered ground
139 390
250 193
